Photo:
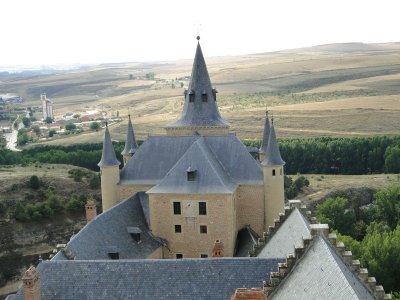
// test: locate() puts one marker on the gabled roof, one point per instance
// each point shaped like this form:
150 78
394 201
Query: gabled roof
157 155
322 274
150 279
288 236
110 229
273 156
130 143
264 145
108 157
203 110
209 175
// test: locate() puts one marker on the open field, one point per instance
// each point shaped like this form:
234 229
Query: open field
330 90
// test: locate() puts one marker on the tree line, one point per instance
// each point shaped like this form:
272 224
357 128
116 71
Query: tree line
324 155
347 156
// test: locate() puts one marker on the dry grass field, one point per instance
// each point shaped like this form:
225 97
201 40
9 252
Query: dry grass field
331 90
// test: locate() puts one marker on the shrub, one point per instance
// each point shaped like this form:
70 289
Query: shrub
34 182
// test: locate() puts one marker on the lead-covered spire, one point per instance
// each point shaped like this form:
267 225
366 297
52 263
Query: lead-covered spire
130 144
273 155
267 129
108 157
200 108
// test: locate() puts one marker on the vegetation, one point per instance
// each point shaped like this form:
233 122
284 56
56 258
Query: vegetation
70 126
292 188
347 156
372 233
95 126
34 182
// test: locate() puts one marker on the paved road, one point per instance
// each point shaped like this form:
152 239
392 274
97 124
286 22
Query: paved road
11 138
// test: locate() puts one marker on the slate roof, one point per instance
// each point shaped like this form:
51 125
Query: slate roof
267 129
130 143
110 229
210 177
273 156
108 157
321 274
200 113
151 279
159 154
288 235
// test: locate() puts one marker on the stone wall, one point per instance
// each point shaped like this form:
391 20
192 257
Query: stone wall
220 221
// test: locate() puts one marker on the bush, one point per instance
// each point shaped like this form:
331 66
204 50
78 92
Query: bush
34 182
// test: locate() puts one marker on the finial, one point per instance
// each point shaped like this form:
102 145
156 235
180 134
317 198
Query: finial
198 38
266 110
272 119
106 124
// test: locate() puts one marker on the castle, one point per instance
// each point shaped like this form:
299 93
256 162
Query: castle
192 215
201 182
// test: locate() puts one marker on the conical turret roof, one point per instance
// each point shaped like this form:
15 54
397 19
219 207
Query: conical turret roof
130 144
108 157
200 108
272 155
267 130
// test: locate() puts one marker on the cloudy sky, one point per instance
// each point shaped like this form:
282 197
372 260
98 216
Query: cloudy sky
48 32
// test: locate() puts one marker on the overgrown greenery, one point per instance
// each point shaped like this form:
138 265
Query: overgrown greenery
372 234
292 188
327 155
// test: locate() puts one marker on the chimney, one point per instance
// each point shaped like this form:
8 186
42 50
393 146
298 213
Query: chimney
90 208
249 294
218 250
31 284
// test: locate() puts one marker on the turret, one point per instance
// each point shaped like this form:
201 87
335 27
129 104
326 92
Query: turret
130 144
274 195
264 145
200 111
109 171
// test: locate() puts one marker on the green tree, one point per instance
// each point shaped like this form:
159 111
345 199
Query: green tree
94 181
95 126
392 159
334 212
388 205
26 121
380 254
34 182
150 75
48 120
52 132
36 129
70 126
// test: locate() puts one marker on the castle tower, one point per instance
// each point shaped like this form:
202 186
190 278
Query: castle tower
274 195
130 144
31 284
109 171
200 112
264 144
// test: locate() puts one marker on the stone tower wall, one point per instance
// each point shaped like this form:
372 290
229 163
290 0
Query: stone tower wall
109 188
274 193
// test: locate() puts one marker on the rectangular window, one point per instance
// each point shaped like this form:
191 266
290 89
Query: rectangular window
179 255
177 208
178 228
273 172
204 97
113 255
203 255
203 229
202 208
191 97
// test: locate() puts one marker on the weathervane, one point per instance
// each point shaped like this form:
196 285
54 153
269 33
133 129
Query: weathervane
199 29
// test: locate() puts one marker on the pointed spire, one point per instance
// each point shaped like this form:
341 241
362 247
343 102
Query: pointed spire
272 155
264 145
130 144
200 108
108 157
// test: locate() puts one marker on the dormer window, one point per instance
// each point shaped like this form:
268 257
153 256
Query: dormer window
214 91
204 96
113 252
191 96
135 233
191 174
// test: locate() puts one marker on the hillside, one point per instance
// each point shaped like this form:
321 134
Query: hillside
335 90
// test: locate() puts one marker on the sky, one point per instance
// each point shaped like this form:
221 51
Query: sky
51 32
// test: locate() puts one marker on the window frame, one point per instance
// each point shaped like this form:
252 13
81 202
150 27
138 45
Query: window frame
202 210
177 207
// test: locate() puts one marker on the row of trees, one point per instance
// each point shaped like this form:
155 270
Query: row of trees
372 232
327 155
313 155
